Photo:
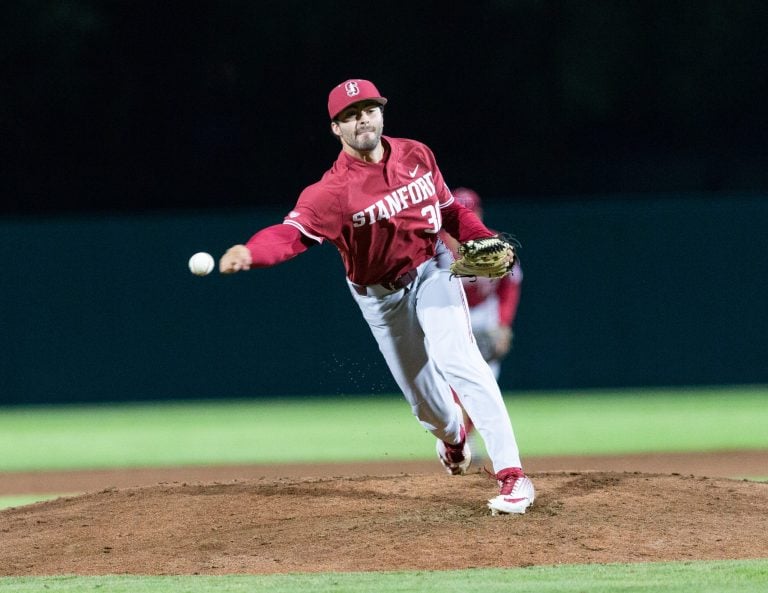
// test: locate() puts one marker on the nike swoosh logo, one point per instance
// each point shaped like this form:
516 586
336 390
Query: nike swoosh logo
514 499
413 173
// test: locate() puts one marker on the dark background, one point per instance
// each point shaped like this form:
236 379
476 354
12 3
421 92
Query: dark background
624 143
123 106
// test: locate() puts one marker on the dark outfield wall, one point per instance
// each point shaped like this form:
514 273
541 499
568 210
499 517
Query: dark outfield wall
617 292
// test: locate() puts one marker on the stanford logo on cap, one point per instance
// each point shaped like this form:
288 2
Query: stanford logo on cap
352 88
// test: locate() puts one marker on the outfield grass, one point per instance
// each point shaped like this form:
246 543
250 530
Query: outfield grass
23 499
669 577
364 428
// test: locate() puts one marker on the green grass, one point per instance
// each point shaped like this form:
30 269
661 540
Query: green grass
166 434
641 421
362 428
23 499
669 577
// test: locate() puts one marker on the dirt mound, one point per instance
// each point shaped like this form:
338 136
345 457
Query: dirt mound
390 522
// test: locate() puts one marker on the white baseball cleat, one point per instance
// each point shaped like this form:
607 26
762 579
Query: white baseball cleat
455 458
516 493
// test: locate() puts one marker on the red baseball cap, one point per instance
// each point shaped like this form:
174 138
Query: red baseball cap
351 91
468 198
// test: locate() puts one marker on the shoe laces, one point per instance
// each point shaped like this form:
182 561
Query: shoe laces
508 479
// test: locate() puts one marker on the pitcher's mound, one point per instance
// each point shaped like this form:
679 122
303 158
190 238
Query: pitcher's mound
389 522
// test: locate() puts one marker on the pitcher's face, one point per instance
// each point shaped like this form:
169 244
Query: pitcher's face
360 126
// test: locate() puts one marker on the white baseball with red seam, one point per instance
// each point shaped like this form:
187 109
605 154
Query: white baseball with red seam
201 264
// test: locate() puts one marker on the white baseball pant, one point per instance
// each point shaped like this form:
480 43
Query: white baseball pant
425 335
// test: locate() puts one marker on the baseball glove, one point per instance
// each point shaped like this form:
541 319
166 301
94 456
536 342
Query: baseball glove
492 257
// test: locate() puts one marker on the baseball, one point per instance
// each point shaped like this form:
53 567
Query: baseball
201 263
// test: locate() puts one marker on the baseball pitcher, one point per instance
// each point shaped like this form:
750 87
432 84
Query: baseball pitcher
382 204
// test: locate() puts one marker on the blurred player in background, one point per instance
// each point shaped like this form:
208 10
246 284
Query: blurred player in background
492 302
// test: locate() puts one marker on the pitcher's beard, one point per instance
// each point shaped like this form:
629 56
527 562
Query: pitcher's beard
366 141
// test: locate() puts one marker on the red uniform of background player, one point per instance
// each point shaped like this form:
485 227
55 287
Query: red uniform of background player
382 205
492 302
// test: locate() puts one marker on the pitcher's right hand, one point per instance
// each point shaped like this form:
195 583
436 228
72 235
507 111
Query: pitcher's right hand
236 259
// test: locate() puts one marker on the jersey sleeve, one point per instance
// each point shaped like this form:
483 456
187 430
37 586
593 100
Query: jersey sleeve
276 244
316 214
463 224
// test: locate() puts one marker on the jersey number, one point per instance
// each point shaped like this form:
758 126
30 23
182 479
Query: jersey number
433 217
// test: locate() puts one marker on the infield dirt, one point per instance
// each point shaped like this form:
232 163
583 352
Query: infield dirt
384 516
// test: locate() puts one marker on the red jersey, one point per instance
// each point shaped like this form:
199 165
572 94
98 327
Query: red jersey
506 289
384 218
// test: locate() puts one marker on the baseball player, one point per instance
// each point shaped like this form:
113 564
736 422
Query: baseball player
383 204
492 302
